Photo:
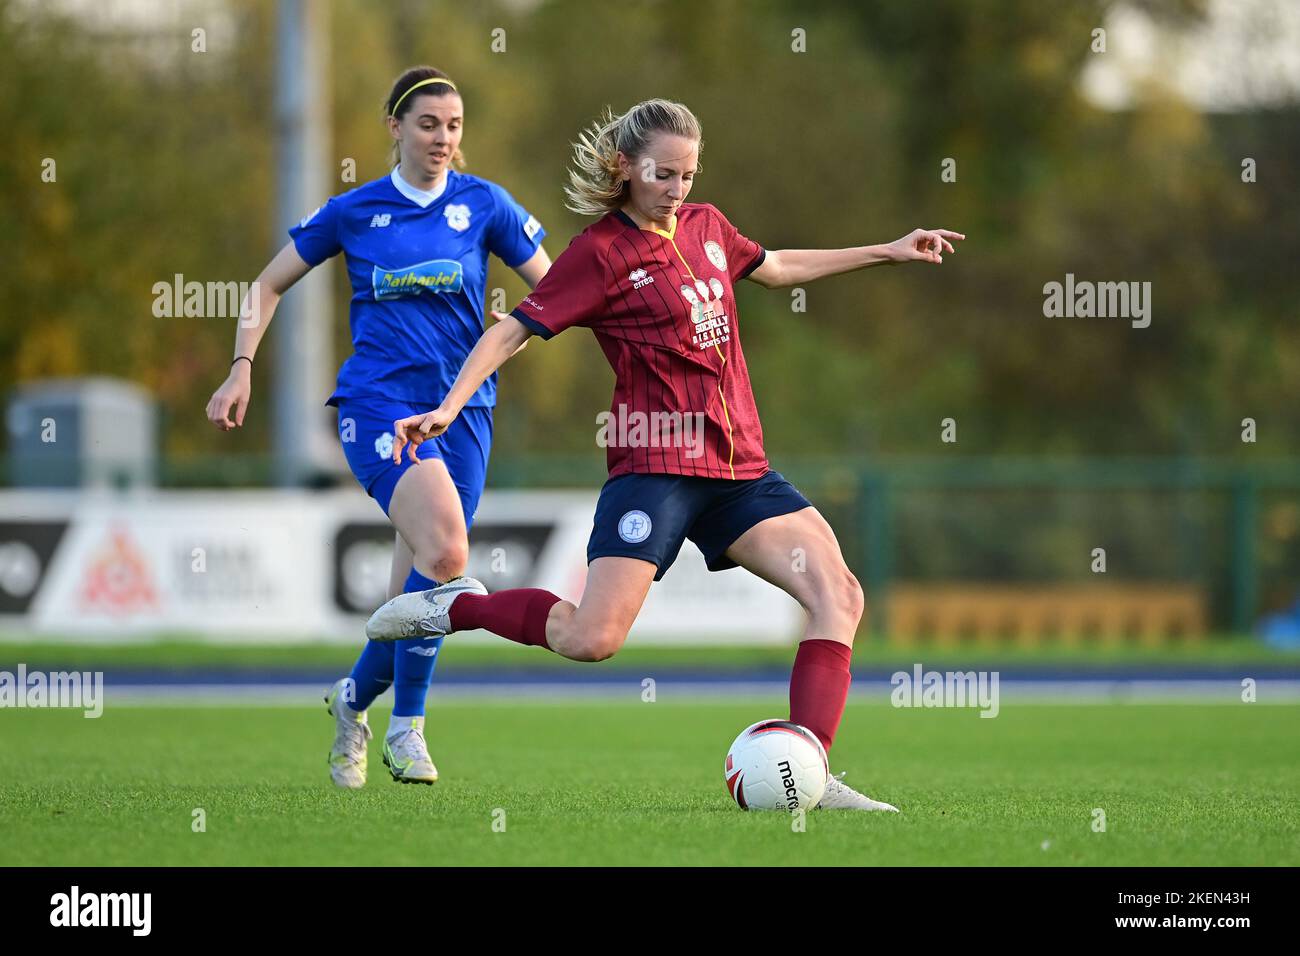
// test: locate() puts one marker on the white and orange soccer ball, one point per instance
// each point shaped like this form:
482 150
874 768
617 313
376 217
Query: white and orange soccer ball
776 765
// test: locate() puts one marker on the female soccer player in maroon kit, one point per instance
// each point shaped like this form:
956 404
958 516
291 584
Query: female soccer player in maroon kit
653 279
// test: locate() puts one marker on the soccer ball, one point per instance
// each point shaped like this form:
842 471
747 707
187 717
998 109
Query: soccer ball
776 765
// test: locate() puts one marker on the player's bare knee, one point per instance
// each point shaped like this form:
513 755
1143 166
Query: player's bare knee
447 560
600 651
601 643
839 600
851 596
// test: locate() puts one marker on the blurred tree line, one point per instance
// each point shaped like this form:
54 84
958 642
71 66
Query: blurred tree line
165 165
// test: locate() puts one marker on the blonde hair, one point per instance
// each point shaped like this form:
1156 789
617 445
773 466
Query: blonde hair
595 186
399 101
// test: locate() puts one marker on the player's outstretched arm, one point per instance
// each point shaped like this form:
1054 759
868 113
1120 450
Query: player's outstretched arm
497 344
228 403
786 267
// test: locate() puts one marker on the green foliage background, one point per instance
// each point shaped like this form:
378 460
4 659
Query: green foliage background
165 165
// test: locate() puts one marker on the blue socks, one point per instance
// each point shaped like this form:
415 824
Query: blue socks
372 673
407 665
414 661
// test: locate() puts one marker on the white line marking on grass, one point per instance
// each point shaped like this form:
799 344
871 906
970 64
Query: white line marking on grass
1037 693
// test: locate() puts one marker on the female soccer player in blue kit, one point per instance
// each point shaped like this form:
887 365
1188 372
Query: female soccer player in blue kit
416 244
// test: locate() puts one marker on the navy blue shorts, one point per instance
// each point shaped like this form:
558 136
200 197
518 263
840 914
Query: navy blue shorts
649 516
366 430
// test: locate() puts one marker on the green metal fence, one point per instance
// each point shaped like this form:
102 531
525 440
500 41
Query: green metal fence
1233 529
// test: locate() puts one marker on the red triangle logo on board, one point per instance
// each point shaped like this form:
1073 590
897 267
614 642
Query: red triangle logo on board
118 578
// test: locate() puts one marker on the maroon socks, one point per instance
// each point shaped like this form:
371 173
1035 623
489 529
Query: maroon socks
518 614
819 686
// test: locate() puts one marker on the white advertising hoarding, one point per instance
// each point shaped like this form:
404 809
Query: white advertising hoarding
298 565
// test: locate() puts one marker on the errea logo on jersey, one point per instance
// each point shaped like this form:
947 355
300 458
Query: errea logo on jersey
380 220
638 278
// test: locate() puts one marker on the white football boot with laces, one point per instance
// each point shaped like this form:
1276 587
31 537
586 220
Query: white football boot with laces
351 734
407 755
420 613
840 796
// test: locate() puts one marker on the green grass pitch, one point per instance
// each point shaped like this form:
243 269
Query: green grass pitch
626 782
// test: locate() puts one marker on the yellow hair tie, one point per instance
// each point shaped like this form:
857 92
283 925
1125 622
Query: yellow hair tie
436 79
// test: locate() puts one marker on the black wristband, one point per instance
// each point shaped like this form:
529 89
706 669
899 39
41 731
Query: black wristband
245 358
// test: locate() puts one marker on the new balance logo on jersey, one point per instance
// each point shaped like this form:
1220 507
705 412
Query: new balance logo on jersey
638 278
380 220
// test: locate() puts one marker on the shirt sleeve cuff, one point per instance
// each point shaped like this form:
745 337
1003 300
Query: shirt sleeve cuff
533 325
304 253
537 244
758 261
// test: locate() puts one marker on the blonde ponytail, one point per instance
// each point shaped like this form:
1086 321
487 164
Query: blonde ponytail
595 183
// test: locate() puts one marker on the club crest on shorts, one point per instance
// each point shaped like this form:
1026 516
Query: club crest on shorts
384 445
634 527
714 252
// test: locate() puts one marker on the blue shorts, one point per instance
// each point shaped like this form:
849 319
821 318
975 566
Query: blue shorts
649 516
366 431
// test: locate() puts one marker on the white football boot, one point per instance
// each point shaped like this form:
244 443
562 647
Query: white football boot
420 613
406 755
840 796
351 734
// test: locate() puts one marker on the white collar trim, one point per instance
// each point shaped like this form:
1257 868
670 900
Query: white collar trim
421 197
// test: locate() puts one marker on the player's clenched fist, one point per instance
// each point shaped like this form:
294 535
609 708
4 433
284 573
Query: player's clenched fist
411 432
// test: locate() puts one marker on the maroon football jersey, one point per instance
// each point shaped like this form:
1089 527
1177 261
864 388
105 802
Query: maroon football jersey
662 308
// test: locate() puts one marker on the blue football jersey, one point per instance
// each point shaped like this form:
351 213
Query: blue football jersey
418 273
